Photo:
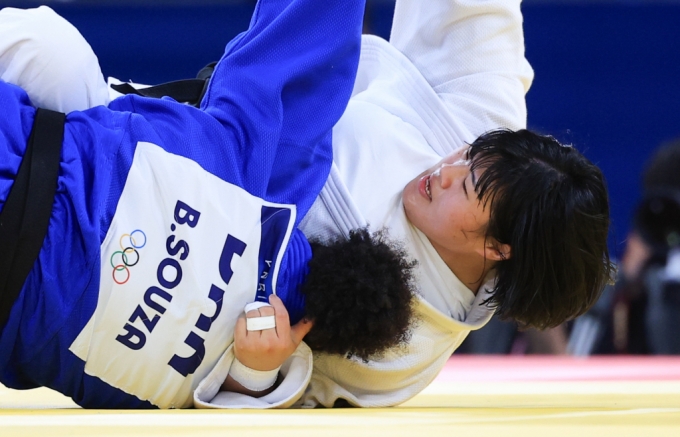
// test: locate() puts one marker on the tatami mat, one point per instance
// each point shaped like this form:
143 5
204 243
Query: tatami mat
499 396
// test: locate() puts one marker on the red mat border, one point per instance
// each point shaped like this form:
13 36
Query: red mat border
552 368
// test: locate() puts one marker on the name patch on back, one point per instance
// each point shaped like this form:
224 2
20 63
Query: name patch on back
185 252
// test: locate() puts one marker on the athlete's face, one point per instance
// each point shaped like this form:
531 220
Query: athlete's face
443 204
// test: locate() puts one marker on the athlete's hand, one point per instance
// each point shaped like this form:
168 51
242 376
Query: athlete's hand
269 348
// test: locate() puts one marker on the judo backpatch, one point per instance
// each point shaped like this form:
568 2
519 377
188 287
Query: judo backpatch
185 252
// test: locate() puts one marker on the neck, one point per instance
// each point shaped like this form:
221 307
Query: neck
470 268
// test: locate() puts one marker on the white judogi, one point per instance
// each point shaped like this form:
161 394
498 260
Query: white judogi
49 59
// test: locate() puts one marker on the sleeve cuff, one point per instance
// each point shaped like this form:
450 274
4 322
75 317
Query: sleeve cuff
296 373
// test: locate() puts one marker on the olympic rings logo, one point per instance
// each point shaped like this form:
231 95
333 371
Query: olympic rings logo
128 256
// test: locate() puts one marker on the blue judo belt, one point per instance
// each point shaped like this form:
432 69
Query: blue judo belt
26 213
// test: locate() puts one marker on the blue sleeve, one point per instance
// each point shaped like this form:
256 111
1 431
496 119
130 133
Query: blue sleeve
282 85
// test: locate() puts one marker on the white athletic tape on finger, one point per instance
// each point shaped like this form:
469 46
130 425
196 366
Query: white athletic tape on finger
260 323
255 306
256 380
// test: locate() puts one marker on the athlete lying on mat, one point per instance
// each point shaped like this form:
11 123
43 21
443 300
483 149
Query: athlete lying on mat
515 223
168 220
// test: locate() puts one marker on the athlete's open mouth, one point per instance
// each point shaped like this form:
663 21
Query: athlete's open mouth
427 187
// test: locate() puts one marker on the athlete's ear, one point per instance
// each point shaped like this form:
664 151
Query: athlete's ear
495 251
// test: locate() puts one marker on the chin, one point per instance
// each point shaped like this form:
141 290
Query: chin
408 200
411 211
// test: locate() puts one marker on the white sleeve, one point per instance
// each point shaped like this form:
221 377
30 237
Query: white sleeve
399 374
472 54
296 373
46 56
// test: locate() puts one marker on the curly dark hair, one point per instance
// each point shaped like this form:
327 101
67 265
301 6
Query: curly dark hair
360 294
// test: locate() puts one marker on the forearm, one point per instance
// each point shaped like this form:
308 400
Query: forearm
472 54
295 65
450 39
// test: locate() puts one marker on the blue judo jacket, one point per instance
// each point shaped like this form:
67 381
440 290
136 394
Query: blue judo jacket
168 218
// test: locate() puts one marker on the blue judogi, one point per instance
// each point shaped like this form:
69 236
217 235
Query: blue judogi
168 218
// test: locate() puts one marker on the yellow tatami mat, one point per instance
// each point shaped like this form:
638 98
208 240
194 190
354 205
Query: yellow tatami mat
496 396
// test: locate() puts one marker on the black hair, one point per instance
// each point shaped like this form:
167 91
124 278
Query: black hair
657 216
550 205
360 294
661 172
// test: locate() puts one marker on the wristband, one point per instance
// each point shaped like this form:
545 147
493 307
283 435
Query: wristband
255 380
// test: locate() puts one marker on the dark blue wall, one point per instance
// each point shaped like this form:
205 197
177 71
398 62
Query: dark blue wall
151 44
606 74
607 80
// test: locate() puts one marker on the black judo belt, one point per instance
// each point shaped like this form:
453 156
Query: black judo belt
189 91
26 213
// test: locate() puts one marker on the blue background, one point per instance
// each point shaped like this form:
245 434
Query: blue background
606 81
